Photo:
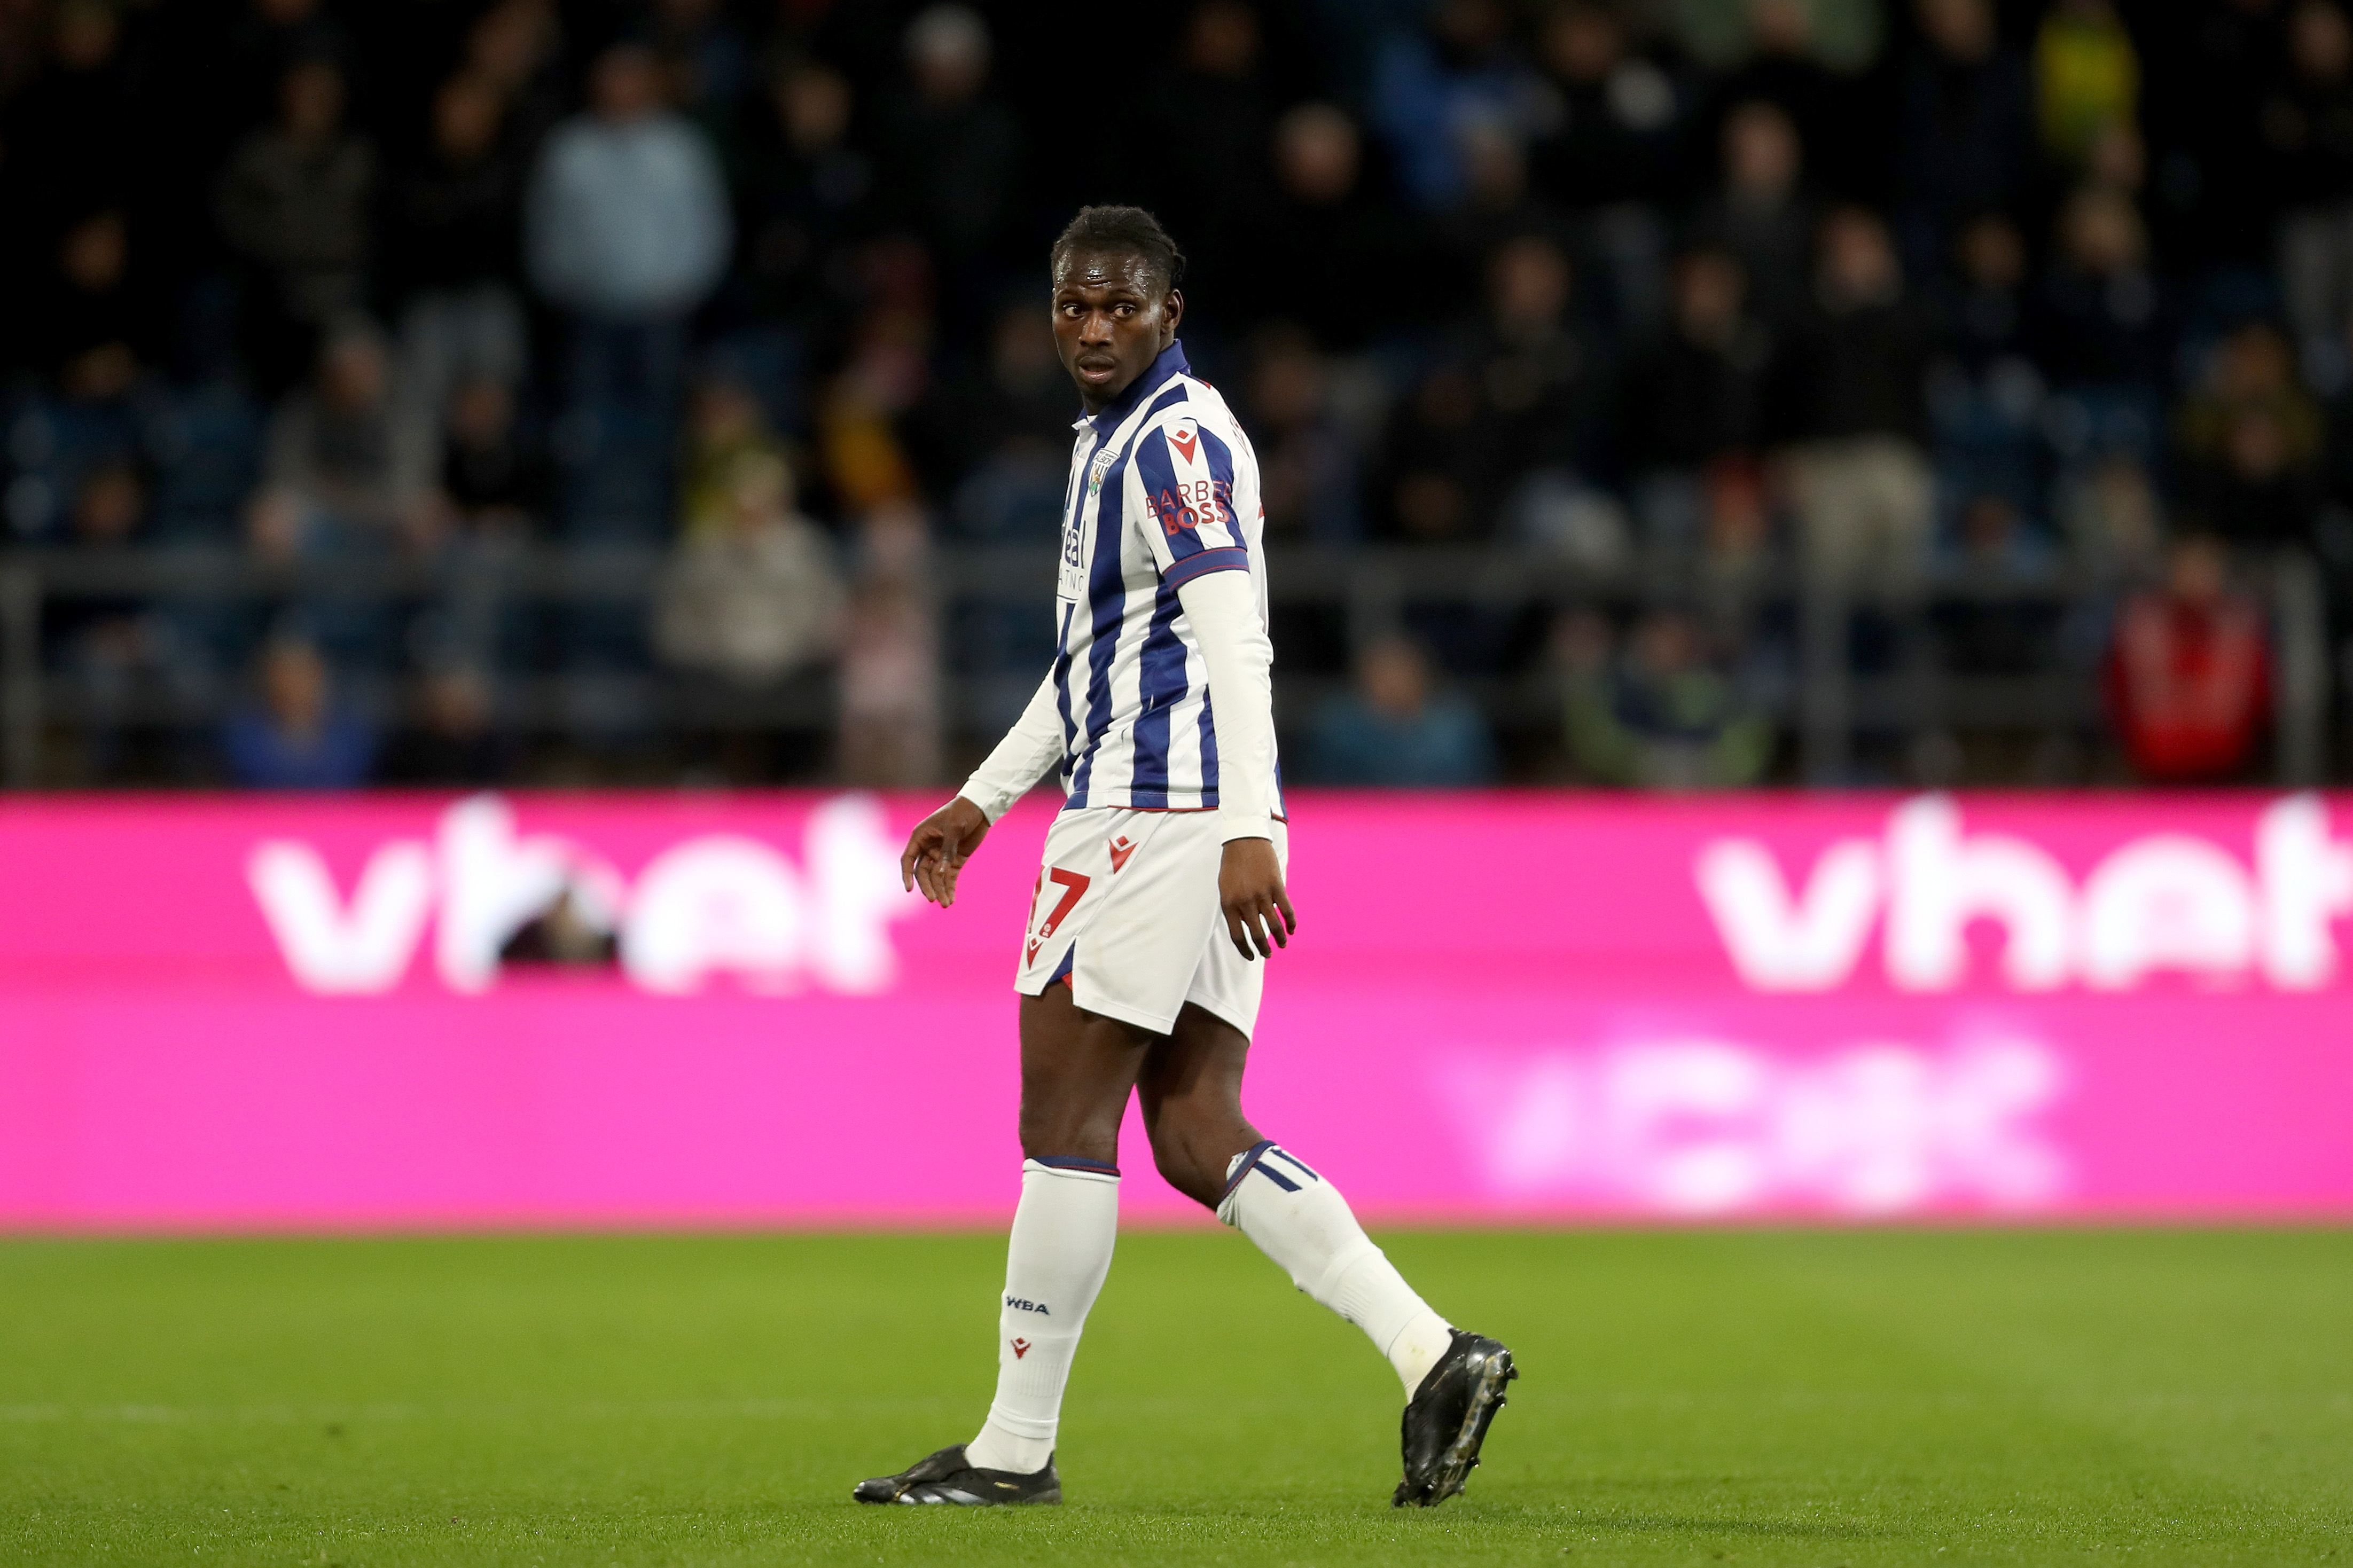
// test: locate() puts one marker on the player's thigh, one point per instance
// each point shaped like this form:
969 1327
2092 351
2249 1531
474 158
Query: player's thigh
1077 1069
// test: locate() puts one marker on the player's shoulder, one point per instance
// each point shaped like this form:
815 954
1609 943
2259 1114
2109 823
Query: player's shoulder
1181 419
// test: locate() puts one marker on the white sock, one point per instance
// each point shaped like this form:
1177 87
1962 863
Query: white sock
1054 1266
1300 1221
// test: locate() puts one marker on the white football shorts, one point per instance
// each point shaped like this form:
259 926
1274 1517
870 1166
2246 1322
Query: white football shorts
1126 910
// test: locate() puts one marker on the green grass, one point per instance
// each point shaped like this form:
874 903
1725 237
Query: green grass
1748 1397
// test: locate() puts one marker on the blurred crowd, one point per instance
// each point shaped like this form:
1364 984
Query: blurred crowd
2051 299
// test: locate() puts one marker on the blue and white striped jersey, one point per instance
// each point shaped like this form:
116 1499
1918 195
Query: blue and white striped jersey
1164 489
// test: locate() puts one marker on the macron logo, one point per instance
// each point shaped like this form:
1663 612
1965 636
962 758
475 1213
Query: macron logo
1183 438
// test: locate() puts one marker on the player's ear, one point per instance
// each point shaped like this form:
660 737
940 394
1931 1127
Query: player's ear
1172 310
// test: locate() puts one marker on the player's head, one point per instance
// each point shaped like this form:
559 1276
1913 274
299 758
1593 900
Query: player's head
1117 300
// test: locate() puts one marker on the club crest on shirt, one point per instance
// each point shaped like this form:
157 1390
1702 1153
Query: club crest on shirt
1096 469
1184 437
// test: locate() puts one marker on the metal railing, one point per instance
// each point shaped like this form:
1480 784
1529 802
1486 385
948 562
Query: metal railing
1826 705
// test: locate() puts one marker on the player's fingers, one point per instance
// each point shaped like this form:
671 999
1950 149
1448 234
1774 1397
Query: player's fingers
1242 942
907 858
1254 921
1290 919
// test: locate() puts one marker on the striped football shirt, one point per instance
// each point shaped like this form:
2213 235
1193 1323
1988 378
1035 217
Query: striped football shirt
1164 489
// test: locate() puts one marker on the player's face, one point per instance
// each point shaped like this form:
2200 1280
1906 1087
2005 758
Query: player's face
1111 321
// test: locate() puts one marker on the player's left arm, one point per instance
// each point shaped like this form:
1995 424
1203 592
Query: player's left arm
1223 608
1195 488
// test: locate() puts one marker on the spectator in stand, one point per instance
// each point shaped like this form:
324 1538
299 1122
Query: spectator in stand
93 337
1986 395
1849 398
295 205
758 601
1761 215
114 648
1609 147
2100 332
454 248
2109 515
341 448
72 129
1835 35
1495 208
887 374
993 444
803 193
497 488
1967 127
724 424
628 230
890 684
1543 377
296 734
705 59
1434 479
1737 545
1688 398
1523 394
1392 730
497 479
2087 78
1432 82
1995 548
453 738
1618 135
1355 264
2308 121
1807 57
2188 675
952 151
2250 444
1207 121
1308 464
516 46
1660 716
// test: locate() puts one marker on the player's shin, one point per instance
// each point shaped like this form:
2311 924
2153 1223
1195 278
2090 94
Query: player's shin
1301 1222
1054 1267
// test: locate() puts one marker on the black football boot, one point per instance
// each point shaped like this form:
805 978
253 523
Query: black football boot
1448 1416
945 1478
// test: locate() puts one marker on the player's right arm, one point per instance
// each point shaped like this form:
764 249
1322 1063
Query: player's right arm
945 840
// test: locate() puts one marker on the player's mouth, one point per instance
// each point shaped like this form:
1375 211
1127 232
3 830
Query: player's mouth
1095 373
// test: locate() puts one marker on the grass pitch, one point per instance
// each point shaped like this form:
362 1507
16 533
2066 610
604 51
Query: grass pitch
1748 1397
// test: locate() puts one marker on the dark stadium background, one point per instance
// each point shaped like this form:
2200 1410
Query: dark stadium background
314 476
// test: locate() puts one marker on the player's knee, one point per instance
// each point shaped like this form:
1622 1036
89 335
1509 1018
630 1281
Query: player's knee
1063 1132
1184 1154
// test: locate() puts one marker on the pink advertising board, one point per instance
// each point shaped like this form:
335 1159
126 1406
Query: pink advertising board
296 1012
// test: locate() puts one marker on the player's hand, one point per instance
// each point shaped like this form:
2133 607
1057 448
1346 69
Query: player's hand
1250 888
938 848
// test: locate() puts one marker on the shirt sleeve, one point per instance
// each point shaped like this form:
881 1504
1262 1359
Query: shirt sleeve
1029 748
1240 659
1187 474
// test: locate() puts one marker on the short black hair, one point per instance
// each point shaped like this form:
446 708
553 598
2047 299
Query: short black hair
1130 229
